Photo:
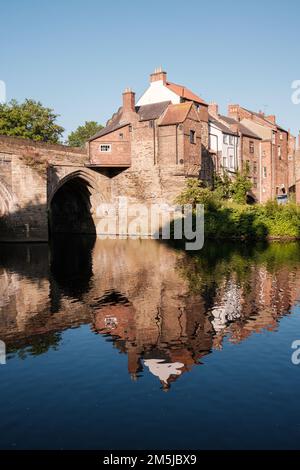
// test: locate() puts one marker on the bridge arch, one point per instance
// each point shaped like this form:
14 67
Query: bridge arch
72 203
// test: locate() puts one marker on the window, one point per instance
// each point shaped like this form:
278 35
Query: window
254 168
281 136
151 124
264 172
105 148
192 137
231 160
274 138
121 135
224 162
225 139
231 140
251 146
279 152
255 183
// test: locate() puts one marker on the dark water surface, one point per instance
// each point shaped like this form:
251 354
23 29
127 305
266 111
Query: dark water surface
134 344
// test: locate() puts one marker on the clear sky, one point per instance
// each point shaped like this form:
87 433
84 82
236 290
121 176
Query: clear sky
77 56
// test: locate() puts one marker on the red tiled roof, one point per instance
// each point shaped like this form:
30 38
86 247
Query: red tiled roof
176 114
185 93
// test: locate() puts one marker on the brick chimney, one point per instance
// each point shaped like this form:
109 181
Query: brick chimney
271 118
213 109
233 111
128 100
158 75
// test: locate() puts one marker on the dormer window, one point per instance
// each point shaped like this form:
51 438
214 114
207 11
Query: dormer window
105 148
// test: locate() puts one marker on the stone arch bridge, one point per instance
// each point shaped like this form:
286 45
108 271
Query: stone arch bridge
46 188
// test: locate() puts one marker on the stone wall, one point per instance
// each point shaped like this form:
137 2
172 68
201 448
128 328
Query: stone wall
24 185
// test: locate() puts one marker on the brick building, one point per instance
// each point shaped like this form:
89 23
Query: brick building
276 150
239 149
156 143
171 133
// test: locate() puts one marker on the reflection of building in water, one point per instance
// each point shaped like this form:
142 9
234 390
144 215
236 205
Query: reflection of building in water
135 294
256 304
230 307
168 337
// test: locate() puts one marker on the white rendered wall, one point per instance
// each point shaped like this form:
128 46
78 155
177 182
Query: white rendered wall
156 93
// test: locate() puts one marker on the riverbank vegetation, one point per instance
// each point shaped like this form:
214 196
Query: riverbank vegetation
228 216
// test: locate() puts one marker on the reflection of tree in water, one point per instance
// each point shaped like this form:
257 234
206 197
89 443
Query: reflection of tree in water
166 320
246 289
35 346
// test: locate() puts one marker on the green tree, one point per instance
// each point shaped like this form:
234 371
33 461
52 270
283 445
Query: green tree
30 120
240 187
222 185
79 137
194 194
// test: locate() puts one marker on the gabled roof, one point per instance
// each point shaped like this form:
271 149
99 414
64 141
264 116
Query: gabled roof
266 120
146 113
248 132
221 126
242 128
108 129
176 114
260 116
149 112
185 93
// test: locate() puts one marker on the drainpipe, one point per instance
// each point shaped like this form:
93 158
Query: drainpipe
176 143
241 155
154 144
272 171
217 139
236 142
260 173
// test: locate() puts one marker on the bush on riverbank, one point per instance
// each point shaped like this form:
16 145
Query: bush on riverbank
225 219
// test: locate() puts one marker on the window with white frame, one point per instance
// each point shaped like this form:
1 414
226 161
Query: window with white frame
231 140
105 148
225 140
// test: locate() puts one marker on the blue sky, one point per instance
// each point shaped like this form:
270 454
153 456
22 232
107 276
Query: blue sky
77 56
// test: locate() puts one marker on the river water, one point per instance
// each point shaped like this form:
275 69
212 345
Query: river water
134 344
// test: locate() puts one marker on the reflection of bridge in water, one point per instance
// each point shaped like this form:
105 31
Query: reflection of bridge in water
166 310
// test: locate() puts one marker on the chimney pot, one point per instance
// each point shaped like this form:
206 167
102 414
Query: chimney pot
128 100
213 108
158 75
